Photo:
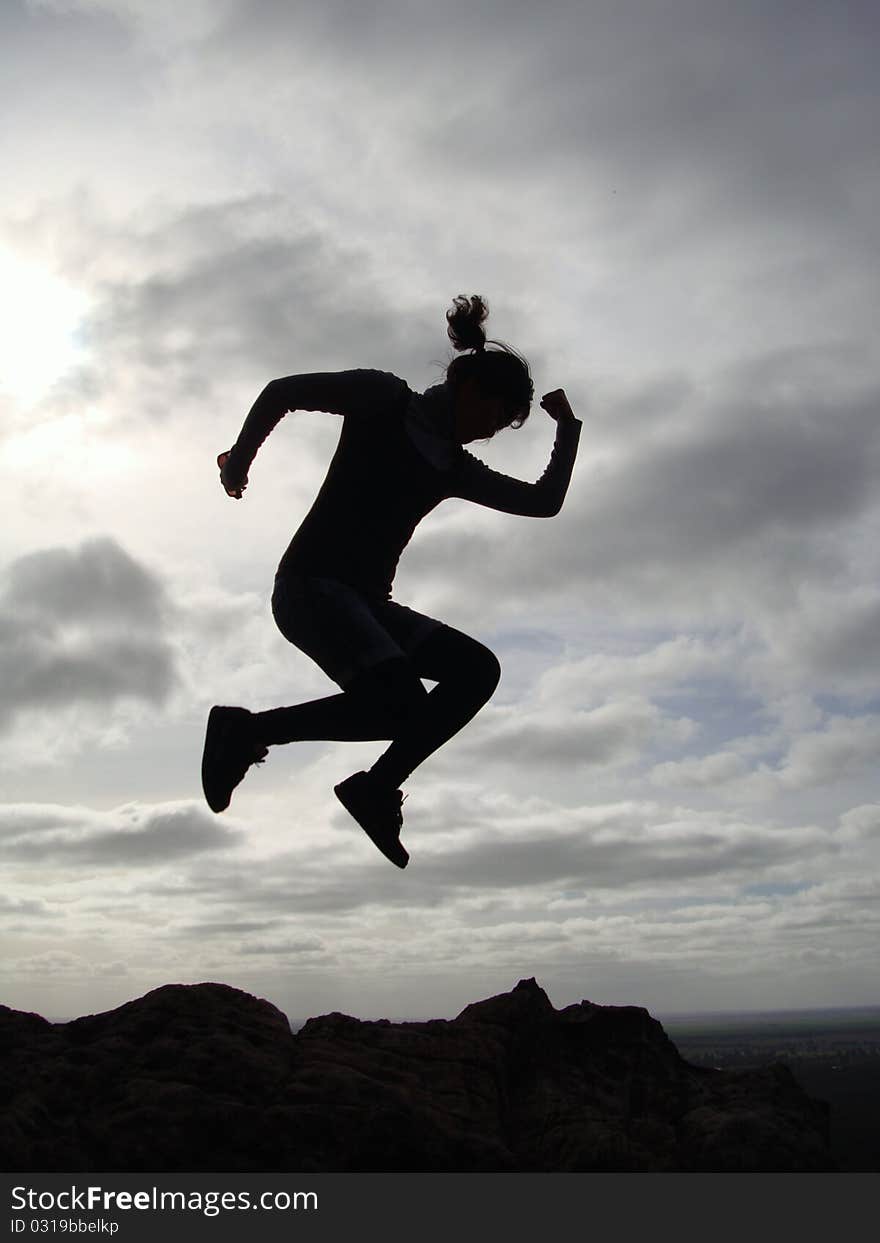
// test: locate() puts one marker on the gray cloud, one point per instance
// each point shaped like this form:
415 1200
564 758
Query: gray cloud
681 131
295 947
96 581
836 635
707 113
703 118
626 852
195 300
226 927
24 907
129 836
78 626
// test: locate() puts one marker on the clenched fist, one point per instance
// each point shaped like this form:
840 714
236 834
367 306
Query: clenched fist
234 484
556 405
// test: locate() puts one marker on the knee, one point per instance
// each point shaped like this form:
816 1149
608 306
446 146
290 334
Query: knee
484 671
455 659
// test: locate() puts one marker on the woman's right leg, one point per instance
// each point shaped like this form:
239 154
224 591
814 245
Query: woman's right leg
379 657
336 627
377 704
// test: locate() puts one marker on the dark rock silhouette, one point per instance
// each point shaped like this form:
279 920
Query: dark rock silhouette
205 1077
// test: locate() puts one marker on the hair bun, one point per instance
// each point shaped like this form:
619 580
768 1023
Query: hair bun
464 322
500 372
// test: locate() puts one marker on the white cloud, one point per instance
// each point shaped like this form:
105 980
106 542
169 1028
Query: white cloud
628 666
613 733
707 770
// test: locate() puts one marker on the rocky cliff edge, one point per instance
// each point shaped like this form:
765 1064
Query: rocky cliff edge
206 1077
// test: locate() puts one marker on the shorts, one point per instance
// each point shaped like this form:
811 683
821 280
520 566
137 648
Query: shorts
343 631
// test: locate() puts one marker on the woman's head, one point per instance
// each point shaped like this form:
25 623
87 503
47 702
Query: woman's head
493 386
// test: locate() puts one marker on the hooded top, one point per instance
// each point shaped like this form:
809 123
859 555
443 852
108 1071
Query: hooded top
397 458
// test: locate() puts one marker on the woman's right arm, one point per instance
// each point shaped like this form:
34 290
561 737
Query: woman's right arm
337 392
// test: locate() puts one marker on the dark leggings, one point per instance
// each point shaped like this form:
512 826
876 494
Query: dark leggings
389 701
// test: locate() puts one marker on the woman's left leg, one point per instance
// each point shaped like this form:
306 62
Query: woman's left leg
466 673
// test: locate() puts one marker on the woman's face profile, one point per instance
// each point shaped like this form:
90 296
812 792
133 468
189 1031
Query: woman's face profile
476 416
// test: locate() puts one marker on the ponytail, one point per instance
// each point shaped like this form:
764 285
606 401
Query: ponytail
464 322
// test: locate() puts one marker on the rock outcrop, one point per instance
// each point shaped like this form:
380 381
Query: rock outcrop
205 1077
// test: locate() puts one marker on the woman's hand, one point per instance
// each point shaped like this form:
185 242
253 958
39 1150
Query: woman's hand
234 485
556 405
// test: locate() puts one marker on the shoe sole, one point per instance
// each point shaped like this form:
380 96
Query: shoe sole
215 737
340 793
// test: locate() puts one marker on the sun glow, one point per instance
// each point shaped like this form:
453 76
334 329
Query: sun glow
39 316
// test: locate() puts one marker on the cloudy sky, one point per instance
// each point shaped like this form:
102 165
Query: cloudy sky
672 209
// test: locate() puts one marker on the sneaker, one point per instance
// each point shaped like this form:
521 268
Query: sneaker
229 751
378 811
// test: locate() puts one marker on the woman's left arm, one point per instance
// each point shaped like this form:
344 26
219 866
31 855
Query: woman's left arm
477 482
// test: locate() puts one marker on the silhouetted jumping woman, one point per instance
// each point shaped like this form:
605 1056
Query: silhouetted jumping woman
399 454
